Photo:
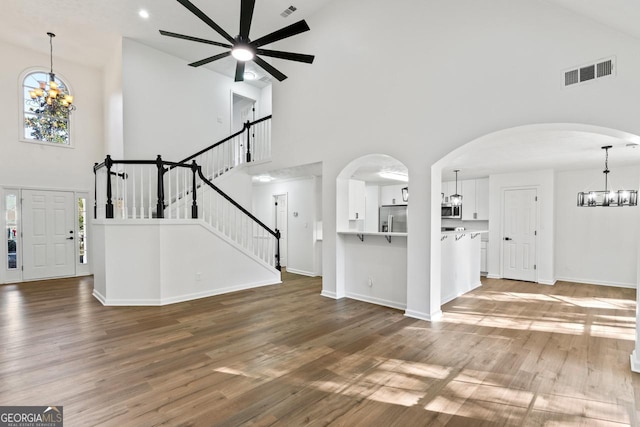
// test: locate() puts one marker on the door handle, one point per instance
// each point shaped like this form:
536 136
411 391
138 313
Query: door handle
70 238
508 238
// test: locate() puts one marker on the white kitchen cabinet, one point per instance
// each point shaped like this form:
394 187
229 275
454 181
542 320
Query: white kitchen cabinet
482 199
449 189
357 204
475 197
469 199
483 257
391 195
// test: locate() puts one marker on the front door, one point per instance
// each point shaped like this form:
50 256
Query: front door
519 235
48 234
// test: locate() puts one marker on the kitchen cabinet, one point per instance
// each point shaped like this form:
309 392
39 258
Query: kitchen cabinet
475 197
482 198
357 200
483 257
449 189
391 195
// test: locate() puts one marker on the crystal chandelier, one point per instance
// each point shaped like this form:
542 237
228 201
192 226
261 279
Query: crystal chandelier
608 197
51 98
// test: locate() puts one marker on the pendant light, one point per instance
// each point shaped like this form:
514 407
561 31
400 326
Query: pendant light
456 199
51 98
608 197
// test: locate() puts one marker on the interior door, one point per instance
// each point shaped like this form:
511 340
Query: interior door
48 219
519 235
281 224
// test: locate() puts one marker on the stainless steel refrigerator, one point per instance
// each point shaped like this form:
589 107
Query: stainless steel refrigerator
393 218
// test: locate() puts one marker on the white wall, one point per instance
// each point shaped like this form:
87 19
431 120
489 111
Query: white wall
377 269
264 104
113 108
49 166
543 182
145 263
42 166
508 74
302 256
596 245
170 108
372 207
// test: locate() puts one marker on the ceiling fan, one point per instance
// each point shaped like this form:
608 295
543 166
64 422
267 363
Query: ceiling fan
243 49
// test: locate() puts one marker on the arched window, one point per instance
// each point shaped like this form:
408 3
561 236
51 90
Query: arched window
45 108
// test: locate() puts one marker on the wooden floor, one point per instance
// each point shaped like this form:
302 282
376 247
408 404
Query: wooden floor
509 353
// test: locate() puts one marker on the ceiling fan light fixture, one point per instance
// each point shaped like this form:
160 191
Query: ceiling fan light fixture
242 53
249 75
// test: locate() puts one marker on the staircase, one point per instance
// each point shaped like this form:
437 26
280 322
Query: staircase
147 191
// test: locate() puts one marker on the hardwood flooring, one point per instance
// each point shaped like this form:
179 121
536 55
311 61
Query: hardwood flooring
509 353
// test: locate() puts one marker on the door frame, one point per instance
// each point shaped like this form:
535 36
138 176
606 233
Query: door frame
503 190
16 275
231 118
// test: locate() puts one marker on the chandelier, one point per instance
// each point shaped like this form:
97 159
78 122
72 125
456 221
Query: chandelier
608 197
456 199
51 98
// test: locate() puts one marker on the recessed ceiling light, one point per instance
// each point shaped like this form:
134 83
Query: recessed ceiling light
143 14
249 75
394 175
263 178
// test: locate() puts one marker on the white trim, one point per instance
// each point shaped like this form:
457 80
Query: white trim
301 272
596 282
548 282
377 301
494 276
180 298
329 294
635 362
424 316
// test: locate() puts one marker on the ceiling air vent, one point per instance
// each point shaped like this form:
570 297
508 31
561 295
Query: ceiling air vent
584 73
288 11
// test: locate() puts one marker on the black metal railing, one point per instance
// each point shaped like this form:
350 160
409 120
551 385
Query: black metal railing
134 193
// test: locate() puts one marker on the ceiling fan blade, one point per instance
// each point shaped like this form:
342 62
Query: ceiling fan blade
200 14
282 33
210 59
269 68
246 15
193 39
240 71
300 57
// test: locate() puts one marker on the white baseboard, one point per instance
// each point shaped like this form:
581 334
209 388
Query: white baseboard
635 363
377 301
329 294
493 276
301 272
178 298
423 316
597 282
452 297
547 282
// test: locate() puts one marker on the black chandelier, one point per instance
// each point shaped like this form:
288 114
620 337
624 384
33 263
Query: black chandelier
608 197
51 98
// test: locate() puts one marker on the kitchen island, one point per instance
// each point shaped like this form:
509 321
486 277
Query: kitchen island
460 271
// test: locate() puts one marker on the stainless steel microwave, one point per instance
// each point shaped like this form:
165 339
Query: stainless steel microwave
450 211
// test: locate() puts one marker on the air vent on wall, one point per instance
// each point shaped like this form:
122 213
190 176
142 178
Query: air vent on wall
288 11
584 73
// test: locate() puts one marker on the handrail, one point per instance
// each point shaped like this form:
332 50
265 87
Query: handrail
246 126
275 234
163 167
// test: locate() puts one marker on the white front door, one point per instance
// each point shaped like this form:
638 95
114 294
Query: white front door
48 219
519 235
281 224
